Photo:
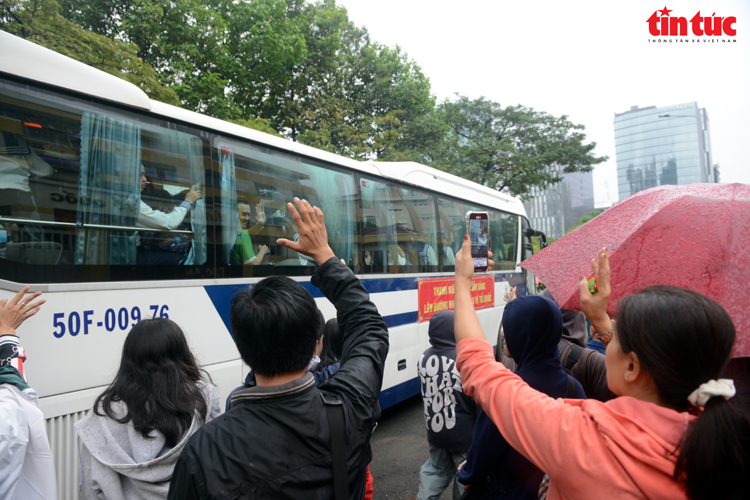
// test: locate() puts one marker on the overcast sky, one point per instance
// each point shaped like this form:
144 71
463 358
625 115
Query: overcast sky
585 59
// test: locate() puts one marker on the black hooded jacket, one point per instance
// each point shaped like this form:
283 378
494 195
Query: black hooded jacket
449 414
533 327
275 442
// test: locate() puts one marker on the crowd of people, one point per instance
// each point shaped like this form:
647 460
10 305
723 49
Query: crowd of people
300 425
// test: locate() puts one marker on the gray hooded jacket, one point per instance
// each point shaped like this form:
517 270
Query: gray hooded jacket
118 463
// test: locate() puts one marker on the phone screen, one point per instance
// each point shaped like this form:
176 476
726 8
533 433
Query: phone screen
479 235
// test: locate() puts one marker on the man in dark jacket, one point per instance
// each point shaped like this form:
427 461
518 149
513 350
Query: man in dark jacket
449 414
275 442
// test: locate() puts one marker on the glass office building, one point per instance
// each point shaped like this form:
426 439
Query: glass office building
559 207
666 145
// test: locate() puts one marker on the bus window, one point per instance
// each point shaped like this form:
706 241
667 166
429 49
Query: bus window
452 229
73 197
255 185
503 239
172 164
397 229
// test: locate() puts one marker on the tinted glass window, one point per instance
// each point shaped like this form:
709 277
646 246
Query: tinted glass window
503 239
397 229
253 187
452 229
88 193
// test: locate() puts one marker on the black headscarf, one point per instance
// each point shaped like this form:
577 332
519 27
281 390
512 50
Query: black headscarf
532 326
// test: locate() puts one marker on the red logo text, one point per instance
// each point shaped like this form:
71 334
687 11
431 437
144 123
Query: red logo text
662 24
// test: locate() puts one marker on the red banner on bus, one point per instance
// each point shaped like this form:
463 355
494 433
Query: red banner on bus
436 294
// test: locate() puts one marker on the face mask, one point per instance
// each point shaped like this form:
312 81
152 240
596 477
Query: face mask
313 364
401 260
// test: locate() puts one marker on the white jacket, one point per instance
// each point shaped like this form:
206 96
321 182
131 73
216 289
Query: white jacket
27 471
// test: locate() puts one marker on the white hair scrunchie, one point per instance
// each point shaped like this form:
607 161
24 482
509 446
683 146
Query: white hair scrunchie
723 387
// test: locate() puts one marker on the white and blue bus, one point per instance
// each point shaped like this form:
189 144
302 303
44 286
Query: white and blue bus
73 143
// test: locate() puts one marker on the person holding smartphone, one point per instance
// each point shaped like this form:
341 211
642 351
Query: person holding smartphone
670 434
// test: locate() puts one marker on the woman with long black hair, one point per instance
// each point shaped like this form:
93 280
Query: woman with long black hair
130 442
670 434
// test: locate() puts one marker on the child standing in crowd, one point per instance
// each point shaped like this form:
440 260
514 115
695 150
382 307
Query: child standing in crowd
670 434
130 442
448 413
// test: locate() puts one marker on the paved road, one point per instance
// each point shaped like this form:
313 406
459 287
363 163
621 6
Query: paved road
399 448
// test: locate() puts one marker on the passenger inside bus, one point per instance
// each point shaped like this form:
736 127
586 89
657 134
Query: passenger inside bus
243 252
446 241
19 167
156 249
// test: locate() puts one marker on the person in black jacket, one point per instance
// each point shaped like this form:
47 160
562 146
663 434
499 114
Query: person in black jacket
275 443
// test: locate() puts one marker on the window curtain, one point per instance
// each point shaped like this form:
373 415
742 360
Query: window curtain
191 148
109 190
335 197
230 219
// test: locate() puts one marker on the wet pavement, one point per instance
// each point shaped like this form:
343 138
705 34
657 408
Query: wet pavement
399 448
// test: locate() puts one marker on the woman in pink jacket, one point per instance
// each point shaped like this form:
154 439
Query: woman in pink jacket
671 433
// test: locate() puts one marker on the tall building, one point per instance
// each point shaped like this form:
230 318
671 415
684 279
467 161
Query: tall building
559 207
667 145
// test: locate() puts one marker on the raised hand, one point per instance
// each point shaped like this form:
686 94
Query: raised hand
594 306
313 236
193 195
465 264
15 311
510 295
260 214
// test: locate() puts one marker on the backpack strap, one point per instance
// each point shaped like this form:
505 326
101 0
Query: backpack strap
335 414
573 357
571 387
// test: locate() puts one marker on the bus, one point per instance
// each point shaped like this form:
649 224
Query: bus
74 143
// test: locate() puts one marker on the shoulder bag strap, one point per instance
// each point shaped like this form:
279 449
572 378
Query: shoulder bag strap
571 387
573 357
335 414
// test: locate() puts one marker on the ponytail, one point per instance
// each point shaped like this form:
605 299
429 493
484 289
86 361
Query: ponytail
714 458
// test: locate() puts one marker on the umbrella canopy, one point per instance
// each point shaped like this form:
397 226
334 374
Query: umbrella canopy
696 236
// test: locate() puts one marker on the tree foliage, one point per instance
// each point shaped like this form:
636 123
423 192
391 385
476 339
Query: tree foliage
303 70
40 21
513 148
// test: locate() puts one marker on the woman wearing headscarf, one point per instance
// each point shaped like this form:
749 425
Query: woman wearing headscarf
532 328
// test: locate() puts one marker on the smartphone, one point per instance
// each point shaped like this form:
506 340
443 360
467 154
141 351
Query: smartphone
478 229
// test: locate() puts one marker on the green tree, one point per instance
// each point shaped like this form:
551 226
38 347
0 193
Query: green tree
40 21
220 56
256 124
389 94
511 149
583 220
310 105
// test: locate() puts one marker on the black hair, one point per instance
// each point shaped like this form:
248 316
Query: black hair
684 339
275 325
157 380
333 343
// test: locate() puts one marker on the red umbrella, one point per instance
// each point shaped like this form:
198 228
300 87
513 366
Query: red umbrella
696 236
